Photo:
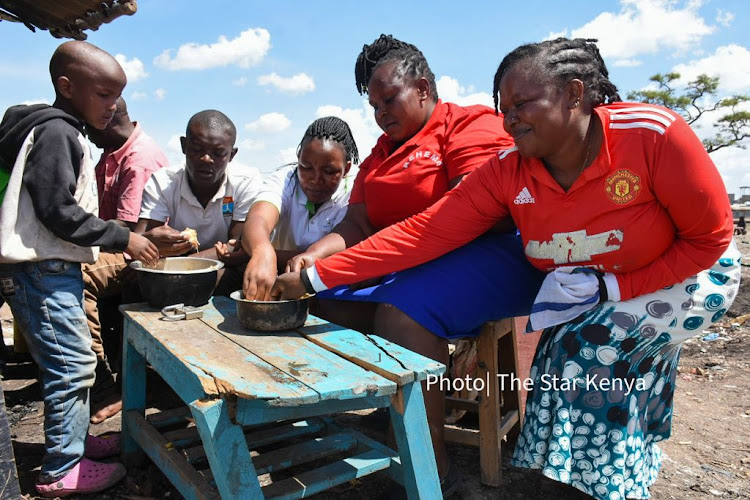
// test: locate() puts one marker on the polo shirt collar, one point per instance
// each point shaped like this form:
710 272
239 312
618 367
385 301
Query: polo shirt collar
125 148
436 119
301 198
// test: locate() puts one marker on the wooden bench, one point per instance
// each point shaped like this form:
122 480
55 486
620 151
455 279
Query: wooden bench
233 380
498 406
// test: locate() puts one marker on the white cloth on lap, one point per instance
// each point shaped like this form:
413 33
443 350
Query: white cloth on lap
566 293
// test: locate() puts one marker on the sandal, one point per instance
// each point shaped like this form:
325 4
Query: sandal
85 477
102 446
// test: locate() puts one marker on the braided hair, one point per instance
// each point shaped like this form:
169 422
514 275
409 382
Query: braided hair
564 59
408 57
335 129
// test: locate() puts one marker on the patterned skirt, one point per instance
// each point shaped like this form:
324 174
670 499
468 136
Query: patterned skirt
603 384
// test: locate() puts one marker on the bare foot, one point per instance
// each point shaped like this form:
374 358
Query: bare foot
108 407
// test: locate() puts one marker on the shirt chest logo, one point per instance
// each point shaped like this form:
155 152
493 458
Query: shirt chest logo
622 187
434 157
227 206
524 197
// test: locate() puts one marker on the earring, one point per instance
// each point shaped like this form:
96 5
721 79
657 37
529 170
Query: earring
575 104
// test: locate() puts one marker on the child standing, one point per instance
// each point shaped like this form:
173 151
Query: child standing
48 227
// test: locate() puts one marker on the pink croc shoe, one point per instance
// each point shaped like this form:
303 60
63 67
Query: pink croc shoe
86 477
97 447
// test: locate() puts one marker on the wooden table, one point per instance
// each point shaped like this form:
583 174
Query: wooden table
232 378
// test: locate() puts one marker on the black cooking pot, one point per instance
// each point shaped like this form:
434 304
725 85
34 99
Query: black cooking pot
271 316
175 280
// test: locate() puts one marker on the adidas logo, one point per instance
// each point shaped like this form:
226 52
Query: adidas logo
524 197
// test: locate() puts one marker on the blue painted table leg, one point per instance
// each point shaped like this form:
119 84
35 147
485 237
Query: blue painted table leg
133 394
414 443
226 450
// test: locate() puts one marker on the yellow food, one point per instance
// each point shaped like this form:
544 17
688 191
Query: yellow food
192 235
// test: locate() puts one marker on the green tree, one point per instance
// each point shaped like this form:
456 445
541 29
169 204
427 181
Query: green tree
698 98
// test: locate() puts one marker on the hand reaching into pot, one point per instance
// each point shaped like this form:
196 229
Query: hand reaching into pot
288 286
260 274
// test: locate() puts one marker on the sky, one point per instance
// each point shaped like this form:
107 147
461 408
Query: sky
274 67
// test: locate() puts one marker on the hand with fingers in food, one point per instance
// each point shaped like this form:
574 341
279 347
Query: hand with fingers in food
260 273
169 241
290 286
299 204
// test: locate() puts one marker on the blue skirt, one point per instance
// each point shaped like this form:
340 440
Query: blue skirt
453 295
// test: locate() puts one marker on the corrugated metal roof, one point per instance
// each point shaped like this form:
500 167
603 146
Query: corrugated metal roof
66 18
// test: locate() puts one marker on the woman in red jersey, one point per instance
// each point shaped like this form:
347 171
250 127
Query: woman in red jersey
621 205
427 147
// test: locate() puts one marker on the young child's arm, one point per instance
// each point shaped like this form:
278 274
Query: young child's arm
140 248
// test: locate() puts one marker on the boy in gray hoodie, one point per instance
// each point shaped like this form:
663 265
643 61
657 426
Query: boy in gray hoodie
48 227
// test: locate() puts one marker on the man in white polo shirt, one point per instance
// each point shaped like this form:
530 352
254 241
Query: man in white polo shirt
206 195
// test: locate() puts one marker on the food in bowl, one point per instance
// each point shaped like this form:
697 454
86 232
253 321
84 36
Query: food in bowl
273 315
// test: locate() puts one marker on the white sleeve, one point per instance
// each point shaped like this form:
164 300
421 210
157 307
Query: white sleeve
274 187
315 280
246 194
154 201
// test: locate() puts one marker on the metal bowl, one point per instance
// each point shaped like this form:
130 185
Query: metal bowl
271 316
175 280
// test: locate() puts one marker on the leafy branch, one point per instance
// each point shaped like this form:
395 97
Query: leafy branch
698 98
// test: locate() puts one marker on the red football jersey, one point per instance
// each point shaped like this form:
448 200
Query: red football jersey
455 140
651 208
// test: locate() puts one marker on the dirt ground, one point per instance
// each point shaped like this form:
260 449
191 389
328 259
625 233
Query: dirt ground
707 456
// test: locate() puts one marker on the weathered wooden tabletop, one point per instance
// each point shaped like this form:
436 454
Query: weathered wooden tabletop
231 378
318 362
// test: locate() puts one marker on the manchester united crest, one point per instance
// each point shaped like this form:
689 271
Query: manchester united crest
623 186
